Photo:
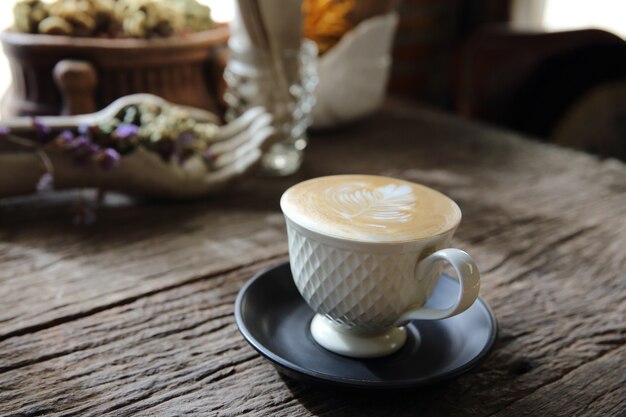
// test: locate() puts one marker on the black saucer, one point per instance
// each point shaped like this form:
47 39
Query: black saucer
274 319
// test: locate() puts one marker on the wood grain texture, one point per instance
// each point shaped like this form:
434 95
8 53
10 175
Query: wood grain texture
52 270
133 316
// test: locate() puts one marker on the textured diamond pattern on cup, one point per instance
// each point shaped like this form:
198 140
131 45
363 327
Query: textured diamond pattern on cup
367 291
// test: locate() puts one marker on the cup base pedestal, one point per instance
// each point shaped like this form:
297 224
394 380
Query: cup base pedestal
356 344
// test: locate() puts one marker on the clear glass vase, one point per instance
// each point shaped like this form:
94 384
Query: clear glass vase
249 84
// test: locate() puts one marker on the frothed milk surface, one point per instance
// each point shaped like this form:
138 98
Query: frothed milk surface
370 208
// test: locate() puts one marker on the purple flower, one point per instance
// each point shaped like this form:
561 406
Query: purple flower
107 159
65 140
4 131
186 138
43 131
84 129
45 183
82 149
125 131
81 142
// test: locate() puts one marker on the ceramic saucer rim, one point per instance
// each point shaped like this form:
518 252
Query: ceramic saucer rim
298 372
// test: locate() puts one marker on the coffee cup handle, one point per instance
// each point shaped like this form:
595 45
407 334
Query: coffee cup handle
469 285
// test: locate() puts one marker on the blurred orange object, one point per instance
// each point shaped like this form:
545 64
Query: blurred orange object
326 21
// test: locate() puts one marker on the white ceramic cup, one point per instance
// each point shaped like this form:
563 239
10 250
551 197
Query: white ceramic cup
365 292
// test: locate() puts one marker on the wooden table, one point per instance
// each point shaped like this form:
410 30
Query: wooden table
134 315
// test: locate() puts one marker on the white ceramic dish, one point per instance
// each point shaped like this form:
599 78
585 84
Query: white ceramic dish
353 74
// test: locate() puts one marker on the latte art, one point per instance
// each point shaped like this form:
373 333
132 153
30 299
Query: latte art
370 208
375 208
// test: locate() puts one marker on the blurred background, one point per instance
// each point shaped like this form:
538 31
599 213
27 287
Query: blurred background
552 69
222 11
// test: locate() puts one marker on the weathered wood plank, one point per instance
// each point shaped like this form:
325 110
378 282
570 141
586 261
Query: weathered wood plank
179 351
597 388
144 324
52 270
185 336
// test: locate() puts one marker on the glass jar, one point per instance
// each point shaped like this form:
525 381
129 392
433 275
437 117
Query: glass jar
249 84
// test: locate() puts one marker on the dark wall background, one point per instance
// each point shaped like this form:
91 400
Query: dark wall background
428 36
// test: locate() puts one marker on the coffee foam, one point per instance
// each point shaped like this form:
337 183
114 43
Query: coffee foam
370 208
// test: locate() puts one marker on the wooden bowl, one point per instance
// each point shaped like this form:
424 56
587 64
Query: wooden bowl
55 75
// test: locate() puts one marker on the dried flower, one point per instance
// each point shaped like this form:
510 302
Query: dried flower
81 145
125 131
166 130
186 138
45 183
43 131
94 149
107 158
65 140
165 148
112 18
85 129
